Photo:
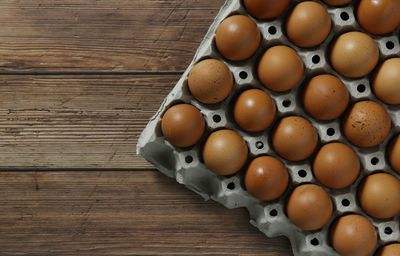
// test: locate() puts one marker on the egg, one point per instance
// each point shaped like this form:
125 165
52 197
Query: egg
379 195
379 16
337 2
295 138
309 207
266 178
353 235
390 250
280 68
336 165
354 54
309 24
385 83
266 9
237 38
225 152
210 81
394 153
254 110
325 97
182 125
367 124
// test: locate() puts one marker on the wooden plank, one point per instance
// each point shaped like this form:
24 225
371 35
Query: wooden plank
119 213
102 35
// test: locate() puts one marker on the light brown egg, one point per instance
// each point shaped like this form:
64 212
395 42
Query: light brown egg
280 68
385 83
325 97
182 125
225 152
295 138
237 38
309 207
309 24
367 124
354 54
353 235
379 195
337 2
379 16
266 9
394 153
336 165
210 81
266 178
390 250
254 110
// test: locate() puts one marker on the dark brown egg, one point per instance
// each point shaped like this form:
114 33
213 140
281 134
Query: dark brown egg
379 16
390 250
295 138
325 97
337 2
266 178
367 124
237 38
309 207
336 165
353 235
266 9
225 152
254 110
385 83
210 81
182 125
394 153
280 68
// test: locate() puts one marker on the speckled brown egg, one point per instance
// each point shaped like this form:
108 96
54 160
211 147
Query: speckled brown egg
354 54
266 9
353 235
394 153
309 24
390 250
280 68
379 195
182 125
254 110
225 152
336 165
210 81
379 16
309 207
325 97
386 82
237 38
367 124
294 138
337 2
266 178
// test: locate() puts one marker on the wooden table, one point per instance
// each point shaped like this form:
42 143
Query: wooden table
79 81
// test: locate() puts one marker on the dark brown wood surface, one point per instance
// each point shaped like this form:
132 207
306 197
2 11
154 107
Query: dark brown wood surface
78 82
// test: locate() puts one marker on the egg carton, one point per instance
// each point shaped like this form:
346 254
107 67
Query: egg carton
186 167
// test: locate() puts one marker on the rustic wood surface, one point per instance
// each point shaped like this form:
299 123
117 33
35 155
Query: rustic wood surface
78 82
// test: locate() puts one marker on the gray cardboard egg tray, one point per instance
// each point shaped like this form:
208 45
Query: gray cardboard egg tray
269 217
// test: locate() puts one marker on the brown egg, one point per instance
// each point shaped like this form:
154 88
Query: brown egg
367 124
266 178
353 235
337 2
385 83
266 9
390 250
309 207
379 195
394 154
354 54
237 38
210 81
336 165
379 16
295 138
325 97
182 125
225 152
309 24
254 110
280 68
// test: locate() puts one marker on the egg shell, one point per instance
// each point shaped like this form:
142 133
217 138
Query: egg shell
266 9
386 82
390 250
394 153
337 2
